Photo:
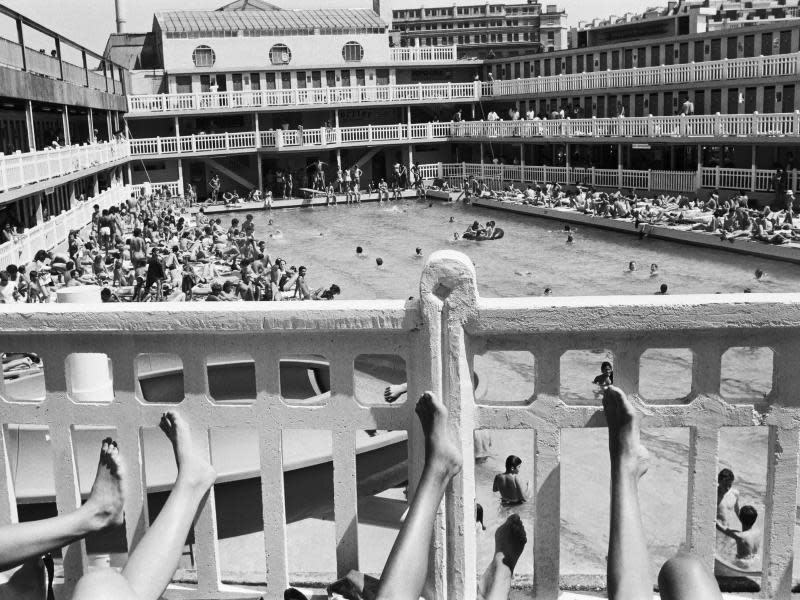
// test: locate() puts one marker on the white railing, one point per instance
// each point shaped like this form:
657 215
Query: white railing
498 176
438 336
436 54
705 127
139 190
780 65
17 170
53 232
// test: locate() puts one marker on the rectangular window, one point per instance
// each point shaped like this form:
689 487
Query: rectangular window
766 44
301 79
269 81
346 78
732 47
183 84
699 51
382 76
205 83
236 79
255 81
330 78
669 54
361 78
286 80
655 56
316 79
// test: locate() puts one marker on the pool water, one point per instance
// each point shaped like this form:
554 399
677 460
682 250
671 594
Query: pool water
532 256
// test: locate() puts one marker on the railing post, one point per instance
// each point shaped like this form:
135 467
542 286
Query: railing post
649 180
682 129
464 170
227 141
593 178
158 145
753 178
194 143
698 178
651 128
754 124
716 177
430 131
279 138
594 126
449 90
163 102
760 64
419 91
725 68
369 132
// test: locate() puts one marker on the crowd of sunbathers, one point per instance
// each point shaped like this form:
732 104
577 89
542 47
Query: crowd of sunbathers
730 218
153 250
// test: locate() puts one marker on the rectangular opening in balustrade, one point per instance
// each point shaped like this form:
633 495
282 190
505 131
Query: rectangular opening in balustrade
106 548
305 380
240 529
30 460
741 493
583 373
89 377
504 486
665 375
585 499
160 378
504 377
382 479
746 374
23 377
160 472
308 489
379 378
231 378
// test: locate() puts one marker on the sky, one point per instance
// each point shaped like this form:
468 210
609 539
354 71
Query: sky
89 22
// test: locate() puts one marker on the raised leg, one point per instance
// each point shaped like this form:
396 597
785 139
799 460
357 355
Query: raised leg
152 563
509 541
407 566
684 577
628 559
22 542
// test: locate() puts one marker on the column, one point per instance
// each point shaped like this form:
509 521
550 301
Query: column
177 127
408 115
338 158
522 156
260 172
130 174
38 202
567 151
336 118
257 126
481 154
73 197
65 126
753 168
619 164
90 121
109 127
29 126
473 111
95 186
411 154
180 177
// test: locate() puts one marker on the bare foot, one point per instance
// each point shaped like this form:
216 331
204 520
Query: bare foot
624 446
510 540
193 469
106 499
441 452
393 392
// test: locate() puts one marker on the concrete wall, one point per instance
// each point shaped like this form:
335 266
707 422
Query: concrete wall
252 53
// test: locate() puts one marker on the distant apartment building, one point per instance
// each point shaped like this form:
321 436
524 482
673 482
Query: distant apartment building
483 30
681 18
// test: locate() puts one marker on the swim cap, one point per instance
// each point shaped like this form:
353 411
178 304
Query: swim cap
359 249
379 261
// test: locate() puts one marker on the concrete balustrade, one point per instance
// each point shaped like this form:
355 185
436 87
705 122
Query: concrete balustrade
753 68
438 336
23 168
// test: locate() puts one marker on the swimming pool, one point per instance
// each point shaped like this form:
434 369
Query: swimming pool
532 256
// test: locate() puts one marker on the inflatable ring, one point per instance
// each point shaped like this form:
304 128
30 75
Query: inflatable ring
227 196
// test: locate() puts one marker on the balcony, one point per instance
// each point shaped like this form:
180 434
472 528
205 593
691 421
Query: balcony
424 54
21 169
437 335
783 128
782 65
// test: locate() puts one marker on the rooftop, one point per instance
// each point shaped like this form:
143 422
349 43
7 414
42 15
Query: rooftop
181 21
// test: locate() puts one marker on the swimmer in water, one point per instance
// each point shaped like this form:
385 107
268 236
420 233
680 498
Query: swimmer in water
631 266
653 270
509 485
760 274
456 237
419 253
360 252
270 222
570 239
548 292
379 261
452 219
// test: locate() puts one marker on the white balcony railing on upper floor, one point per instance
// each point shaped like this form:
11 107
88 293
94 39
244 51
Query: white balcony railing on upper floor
23 168
438 336
53 232
725 128
759 67
414 54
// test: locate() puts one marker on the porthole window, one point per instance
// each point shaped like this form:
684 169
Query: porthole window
353 52
203 56
280 54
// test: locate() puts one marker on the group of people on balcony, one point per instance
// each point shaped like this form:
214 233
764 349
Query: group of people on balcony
730 218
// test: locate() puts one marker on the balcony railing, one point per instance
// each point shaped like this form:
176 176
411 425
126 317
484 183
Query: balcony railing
17 170
415 54
498 176
722 128
438 336
54 232
780 65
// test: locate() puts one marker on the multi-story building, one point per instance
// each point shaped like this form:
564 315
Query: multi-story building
60 106
483 30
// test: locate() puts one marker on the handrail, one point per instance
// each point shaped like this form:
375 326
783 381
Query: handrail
778 65
53 232
438 336
23 168
753 127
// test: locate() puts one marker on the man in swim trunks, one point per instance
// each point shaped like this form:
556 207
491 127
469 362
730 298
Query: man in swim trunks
748 540
509 485
727 501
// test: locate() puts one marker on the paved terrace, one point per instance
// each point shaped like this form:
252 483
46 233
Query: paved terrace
437 336
651 78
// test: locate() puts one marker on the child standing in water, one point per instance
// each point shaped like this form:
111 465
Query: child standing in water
508 483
